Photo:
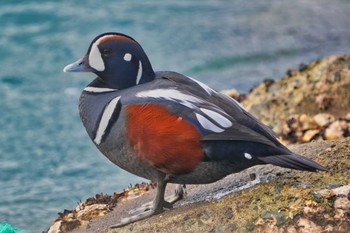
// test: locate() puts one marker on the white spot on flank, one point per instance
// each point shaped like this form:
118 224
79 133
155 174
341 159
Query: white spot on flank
127 57
106 116
95 58
179 119
207 124
248 156
98 89
172 95
139 73
217 117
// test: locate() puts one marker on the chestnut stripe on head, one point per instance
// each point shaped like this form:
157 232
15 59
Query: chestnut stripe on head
95 58
114 37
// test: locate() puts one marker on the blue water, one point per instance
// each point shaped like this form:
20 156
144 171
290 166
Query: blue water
47 162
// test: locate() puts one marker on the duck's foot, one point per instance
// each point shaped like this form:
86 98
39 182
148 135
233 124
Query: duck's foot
156 207
178 195
134 218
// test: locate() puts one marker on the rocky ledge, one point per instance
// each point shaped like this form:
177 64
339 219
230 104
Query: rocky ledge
308 104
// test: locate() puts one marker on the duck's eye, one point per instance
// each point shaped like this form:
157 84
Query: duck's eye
106 51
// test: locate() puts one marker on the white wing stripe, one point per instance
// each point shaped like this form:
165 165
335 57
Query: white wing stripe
217 117
207 124
172 95
204 86
106 116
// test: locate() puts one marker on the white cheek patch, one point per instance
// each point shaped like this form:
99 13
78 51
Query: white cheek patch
127 57
95 58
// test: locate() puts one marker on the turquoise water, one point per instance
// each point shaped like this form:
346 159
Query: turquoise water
47 162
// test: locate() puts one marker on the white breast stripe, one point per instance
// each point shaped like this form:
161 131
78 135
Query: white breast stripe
99 89
206 124
172 95
217 117
139 73
106 116
204 86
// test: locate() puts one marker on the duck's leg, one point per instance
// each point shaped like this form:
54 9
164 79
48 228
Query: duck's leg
178 195
158 206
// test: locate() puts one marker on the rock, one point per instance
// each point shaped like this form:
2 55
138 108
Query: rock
228 213
308 226
347 117
323 119
232 93
95 207
61 226
277 217
303 128
320 86
309 135
307 122
342 208
289 201
342 191
336 130
92 211
324 101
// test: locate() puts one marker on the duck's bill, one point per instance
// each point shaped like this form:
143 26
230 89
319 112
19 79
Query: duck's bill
81 65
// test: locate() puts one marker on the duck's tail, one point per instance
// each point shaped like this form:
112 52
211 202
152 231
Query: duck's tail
293 161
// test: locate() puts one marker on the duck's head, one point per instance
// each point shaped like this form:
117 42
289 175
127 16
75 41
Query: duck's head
117 59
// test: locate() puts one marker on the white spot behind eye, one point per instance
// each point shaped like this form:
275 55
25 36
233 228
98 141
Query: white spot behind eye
127 57
248 156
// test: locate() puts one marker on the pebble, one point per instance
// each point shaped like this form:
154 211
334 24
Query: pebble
335 130
303 128
323 119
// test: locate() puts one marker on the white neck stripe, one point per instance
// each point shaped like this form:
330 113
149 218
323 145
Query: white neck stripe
139 73
99 89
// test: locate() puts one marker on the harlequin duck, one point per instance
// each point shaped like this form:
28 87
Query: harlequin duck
167 127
